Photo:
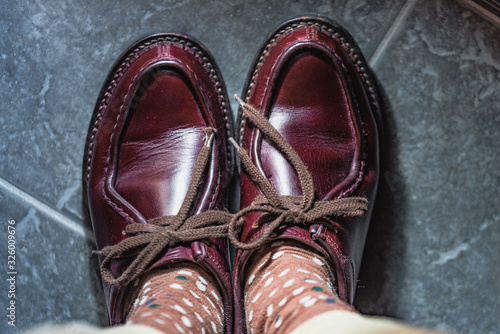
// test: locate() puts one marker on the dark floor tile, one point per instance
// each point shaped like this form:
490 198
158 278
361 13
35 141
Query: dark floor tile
56 277
433 248
433 244
55 56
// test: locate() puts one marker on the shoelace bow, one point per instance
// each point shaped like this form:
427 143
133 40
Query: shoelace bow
284 209
147 240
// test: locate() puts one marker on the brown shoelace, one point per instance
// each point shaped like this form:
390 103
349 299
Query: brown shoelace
147 240
278 209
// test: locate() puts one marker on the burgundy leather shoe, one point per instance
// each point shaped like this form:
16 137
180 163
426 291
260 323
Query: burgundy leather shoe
309 122
157 165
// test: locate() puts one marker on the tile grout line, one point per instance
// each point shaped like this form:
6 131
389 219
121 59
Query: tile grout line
393 29
47 210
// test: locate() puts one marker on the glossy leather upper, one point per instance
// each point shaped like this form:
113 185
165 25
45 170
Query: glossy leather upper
310 81
144 139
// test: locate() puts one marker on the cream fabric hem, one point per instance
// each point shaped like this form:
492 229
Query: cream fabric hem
344 322
83 328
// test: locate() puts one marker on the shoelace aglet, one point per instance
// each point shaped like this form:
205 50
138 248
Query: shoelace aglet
233 142
240 101
209 137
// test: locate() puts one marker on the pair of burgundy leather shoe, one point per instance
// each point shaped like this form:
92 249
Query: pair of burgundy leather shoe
158 159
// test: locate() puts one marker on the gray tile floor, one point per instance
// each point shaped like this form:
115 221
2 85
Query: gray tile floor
433 251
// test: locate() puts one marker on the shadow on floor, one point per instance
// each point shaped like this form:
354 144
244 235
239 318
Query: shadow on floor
95 274
382 268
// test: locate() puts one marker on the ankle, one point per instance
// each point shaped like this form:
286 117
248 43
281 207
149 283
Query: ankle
286 284
184 296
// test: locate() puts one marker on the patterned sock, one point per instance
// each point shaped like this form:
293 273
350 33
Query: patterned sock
180 299
287 284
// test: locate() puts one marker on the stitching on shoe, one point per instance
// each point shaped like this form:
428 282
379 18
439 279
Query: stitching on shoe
343 260
185 44
355 55
338 251
117 208
214 196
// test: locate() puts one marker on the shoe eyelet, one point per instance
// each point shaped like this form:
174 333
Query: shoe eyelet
317 231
